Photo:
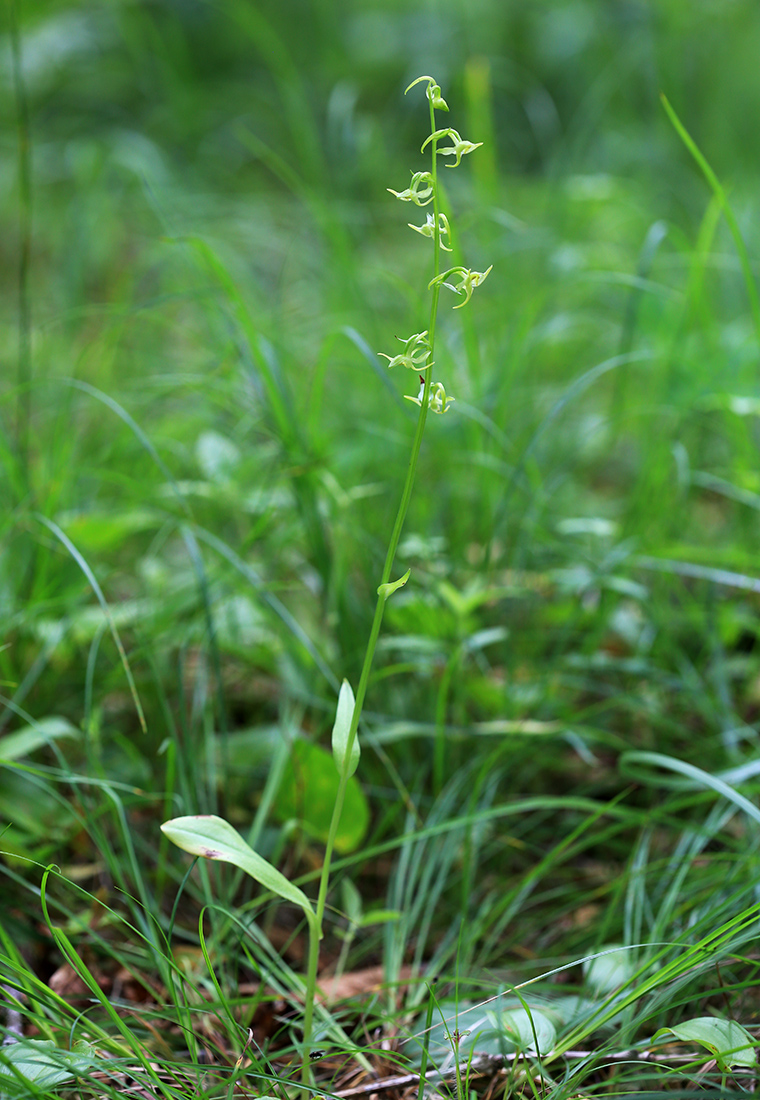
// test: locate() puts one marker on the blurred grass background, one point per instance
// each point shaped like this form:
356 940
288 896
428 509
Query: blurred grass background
215 262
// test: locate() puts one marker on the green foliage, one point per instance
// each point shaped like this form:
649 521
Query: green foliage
526 1031
610 969
201 449
37 1062
213 838
730 1043
308 792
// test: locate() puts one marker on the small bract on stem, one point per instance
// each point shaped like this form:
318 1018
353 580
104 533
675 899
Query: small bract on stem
213 838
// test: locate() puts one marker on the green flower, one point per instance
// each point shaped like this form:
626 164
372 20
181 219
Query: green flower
428 229
416 351
433 92
420 191
458 145
468 281
438 402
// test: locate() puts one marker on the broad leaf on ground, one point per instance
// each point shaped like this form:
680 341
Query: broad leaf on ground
610 969
527 1031
730 1043
41 1062
308 791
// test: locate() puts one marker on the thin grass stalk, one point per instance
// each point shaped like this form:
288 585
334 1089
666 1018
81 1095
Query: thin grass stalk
69 953
426 1041
720 194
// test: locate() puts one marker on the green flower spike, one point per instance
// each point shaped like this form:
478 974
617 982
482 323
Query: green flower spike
416 351
428 229
433 92
458 145
438 402
468 281
420 190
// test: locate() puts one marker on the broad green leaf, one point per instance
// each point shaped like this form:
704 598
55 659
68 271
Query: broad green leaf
98 532
610 969
475 1029
345 713
731 1044
39 1060
570 1010
532 1031
22 742
213 838
308 791
386 590
487 1031
248 750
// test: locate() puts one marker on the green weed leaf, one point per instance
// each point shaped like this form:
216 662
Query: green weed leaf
20 743
532 1031
213 838
40 1061
308 791
99 531
728 1041
610 970
345 763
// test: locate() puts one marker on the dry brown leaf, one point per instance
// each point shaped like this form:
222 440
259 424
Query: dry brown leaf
67 983
358 982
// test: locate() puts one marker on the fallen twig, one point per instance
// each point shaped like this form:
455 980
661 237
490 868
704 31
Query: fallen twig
490 1064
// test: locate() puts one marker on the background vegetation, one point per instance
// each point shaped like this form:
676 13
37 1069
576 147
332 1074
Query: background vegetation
201 455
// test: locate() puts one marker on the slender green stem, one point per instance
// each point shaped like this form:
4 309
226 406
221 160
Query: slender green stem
406 495
426 1042
308 1015
720 194
455 1040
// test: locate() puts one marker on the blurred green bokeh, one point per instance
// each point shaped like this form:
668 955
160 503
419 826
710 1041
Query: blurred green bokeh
566 85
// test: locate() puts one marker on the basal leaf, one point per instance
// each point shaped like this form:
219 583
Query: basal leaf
308 791
213 838
532 1031
40 1061
610 969
728 1041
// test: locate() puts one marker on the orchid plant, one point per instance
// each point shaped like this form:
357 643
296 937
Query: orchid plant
212 837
